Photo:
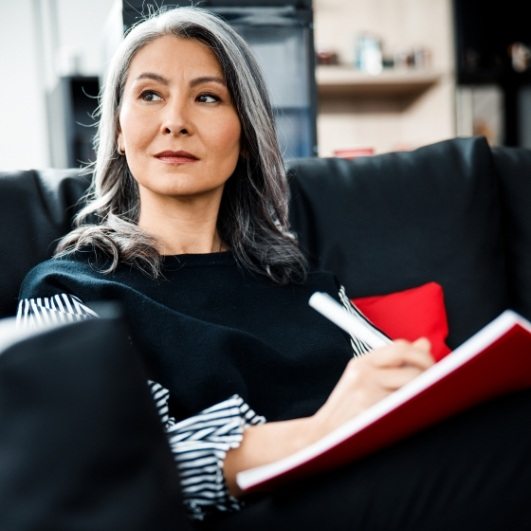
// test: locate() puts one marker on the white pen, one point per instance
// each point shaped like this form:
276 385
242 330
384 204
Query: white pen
331 309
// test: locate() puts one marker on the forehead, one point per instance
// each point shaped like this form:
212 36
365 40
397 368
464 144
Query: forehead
170 56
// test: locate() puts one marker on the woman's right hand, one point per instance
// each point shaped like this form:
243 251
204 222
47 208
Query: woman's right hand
368 379
365 381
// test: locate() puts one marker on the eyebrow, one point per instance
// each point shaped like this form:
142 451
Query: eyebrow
196 81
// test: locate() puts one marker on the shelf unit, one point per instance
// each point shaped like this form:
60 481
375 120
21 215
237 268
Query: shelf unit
345 81
403 107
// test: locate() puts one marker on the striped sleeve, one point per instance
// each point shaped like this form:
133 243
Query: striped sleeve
60 308
199 445
359 346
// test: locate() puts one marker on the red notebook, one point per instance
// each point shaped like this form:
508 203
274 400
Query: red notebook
494 361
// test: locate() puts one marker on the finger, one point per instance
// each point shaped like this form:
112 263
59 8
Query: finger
393 379
422 343
400 353
420 359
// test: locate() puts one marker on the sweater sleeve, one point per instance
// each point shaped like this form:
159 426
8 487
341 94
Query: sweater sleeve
199 443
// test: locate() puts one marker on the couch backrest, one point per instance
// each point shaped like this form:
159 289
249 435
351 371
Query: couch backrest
513 166
395 221
381 223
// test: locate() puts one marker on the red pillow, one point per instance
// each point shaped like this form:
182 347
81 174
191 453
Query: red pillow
410 314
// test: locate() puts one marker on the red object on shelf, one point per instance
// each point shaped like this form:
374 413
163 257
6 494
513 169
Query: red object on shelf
352 153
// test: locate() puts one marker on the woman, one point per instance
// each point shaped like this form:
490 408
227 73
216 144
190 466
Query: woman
186 226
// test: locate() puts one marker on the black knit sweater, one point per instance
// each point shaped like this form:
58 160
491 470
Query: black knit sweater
208 329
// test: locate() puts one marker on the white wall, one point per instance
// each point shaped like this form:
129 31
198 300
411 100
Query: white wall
39 40
23 141
81 31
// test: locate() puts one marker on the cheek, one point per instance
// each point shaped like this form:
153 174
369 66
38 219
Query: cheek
133 129
221 131
232 136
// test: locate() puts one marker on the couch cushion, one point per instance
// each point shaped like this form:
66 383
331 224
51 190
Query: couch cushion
35 209
394 221
514 169
81 444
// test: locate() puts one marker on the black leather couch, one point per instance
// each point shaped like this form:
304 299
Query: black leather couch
456 212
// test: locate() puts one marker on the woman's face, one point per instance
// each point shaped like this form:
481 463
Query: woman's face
177 124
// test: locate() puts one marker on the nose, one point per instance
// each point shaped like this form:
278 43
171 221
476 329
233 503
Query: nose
176 120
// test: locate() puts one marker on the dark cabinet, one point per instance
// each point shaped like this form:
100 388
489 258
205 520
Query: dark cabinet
71 120
493 49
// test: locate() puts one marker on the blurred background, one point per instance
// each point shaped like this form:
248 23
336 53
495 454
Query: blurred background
346 77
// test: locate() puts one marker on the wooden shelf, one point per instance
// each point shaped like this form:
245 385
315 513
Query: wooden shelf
344 80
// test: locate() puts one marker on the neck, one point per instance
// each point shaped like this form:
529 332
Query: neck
189 229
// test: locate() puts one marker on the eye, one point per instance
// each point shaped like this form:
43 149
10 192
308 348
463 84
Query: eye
149 96
208 98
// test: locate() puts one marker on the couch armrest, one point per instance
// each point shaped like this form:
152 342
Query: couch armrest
36 208
81 444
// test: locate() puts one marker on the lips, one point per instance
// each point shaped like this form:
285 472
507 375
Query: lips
176 157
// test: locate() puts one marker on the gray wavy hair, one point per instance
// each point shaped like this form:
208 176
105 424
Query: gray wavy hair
253 216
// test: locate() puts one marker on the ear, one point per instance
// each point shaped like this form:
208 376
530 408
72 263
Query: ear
244 153
120 142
